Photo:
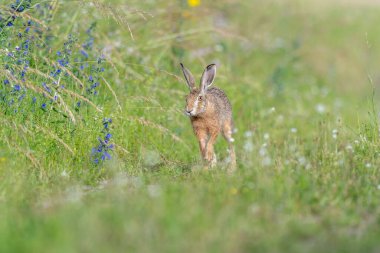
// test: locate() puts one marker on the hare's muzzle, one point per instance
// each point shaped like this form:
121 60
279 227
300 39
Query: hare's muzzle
188 112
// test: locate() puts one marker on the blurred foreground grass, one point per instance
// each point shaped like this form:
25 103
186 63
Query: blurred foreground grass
300 76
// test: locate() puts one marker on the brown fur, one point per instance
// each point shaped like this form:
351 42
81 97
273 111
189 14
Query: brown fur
210 114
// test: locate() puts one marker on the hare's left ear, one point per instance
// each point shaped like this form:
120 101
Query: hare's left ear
208 77
189 77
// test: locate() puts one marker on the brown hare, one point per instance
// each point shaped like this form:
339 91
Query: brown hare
210 114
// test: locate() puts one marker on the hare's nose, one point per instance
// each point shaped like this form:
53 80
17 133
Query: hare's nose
188 111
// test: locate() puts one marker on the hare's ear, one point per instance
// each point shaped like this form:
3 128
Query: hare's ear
189 77
208 77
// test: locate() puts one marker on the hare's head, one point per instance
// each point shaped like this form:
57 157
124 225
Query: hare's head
197 99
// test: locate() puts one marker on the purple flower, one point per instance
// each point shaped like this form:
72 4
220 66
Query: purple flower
107 155
102 151
108 136
21 97
17 87
84 53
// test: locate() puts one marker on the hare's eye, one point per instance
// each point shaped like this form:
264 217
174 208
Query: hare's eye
200 98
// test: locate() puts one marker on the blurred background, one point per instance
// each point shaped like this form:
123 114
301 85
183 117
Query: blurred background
96 154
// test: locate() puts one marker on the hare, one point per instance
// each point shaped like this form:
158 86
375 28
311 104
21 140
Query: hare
210 113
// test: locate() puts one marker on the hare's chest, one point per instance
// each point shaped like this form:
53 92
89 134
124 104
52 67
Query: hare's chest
210 125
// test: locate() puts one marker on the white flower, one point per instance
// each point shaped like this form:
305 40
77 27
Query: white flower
334 133
266 161
263 151
368 165
378 187
64 174
321 108
248 134
266 136
293 130
248 146
302 160
349 148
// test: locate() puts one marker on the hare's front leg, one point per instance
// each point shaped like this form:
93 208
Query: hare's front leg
210 154
202 137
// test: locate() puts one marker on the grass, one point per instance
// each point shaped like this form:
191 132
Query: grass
302 79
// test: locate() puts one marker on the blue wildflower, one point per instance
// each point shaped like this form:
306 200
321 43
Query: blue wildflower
61 62
102 151
46 87
17 87
107 155
21 97
84 53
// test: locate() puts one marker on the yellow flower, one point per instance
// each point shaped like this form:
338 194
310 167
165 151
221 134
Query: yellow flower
233 191
193 3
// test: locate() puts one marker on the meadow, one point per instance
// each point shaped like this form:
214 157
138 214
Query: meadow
96 154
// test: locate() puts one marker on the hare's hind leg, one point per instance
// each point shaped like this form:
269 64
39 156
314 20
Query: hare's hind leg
227 133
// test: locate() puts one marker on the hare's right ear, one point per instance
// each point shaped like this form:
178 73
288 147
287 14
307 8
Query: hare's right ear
189 77
208 77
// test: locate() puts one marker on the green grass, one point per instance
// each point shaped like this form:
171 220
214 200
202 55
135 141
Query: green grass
297 74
